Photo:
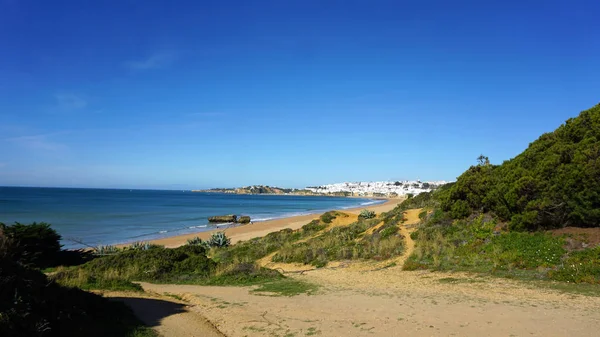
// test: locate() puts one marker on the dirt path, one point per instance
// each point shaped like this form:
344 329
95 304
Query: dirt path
363 299
167 316
393 302
412 218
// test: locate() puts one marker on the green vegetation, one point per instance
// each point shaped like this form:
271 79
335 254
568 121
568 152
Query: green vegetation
36 245
186 264
33 305
257 248
346 242
196 241
366 214
474 245
580 267
328 217
492 219
552 184
286 287
218 240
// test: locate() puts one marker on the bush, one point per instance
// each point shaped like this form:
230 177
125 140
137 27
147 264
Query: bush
313 227
344 242
156 264
36 245
254 249
552 184
460 209
366 214
32 305
328 217
388 231
473 244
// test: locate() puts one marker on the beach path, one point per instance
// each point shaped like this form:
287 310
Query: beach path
392 302
375 298
168 316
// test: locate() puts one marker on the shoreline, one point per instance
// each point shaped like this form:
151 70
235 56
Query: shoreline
262 228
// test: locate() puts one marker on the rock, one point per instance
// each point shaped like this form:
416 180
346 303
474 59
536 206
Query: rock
243 219
223 218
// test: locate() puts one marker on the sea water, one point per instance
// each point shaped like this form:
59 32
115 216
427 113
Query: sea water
111 216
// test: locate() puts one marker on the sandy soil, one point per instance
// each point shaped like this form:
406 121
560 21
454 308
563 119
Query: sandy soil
258 229
364 299
167 316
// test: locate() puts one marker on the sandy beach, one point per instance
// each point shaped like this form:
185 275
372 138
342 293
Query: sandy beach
258 229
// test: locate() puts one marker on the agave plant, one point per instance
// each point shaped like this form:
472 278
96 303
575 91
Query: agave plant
140 245
366 214
219 239
105 250
195 241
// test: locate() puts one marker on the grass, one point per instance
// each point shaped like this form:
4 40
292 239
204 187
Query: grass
257 248
143 332
474 245
286 287
175 296
312 332
453 280
183 265
346 242
570 288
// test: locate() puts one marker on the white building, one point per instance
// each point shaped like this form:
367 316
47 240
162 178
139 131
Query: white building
379 187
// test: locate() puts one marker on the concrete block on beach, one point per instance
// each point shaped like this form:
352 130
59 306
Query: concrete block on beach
223 218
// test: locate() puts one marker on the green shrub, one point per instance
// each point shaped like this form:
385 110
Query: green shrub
313 227
460 209
472 245
328 217
156 264
552 184
35 245
254 249
341 243
32 305
366 214
388 231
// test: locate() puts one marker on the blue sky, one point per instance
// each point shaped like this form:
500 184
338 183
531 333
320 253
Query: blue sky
194 94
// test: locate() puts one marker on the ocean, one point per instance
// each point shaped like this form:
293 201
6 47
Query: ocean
112 216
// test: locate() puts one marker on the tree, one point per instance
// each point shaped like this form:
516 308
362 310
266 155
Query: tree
35 245
483 160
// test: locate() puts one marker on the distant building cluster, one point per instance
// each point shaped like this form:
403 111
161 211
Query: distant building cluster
378 188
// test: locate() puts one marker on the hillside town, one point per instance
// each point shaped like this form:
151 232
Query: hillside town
382 189
388 189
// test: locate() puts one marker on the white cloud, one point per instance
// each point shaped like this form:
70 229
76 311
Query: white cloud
70 101
154 61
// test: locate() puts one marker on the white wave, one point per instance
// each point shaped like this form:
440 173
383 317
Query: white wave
262 219
162 232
